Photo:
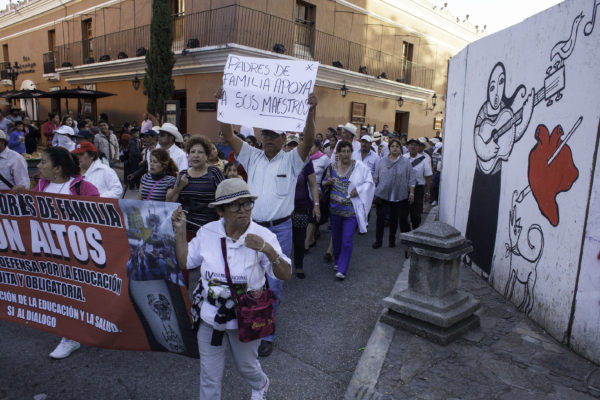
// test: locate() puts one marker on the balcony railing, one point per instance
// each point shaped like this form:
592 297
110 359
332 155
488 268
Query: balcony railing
244 26
49 59
4 70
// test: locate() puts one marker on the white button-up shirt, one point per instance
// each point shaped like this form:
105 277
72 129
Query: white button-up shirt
371 160
178 155
13 168
245 265
105 179
273 181
423 169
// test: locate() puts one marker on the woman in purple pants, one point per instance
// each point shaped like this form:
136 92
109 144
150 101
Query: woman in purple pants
351 196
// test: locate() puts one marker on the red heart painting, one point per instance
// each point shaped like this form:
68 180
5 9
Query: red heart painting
546 181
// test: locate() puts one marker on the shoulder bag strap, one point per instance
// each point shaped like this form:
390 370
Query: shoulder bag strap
153 187
227 273
417 161
6 182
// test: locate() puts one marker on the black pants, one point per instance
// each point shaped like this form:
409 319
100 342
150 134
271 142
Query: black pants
398 212
416 208
300 219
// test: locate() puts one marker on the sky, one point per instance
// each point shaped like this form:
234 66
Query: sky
496 14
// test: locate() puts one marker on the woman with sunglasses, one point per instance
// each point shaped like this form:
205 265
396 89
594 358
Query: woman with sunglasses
251 251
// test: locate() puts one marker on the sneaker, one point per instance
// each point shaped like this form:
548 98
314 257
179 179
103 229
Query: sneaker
265 349
335 267
64 349
376 245
340 276
262 393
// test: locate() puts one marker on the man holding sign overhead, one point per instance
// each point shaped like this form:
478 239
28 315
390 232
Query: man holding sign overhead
272 173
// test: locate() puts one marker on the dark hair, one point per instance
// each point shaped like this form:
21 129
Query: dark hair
395 140
20 122
64 120
93 154
104 117
229 165
202 141
318 143
60 157
163 157
253 140
342 144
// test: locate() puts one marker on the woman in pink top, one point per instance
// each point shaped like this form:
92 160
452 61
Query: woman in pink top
59 174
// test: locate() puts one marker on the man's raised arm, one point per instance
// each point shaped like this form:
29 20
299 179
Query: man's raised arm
309 128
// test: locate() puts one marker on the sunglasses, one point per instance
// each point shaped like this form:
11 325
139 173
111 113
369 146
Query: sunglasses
246 205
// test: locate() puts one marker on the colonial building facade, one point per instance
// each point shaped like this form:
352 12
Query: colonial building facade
382 62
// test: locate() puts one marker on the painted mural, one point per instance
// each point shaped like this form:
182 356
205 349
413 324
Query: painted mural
522 129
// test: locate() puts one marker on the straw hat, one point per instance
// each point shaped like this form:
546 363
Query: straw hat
172 130
350 128
3 136
230 190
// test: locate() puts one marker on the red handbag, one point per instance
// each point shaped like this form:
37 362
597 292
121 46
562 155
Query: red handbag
255 314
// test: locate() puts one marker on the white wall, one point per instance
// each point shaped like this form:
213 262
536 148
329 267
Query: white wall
530 244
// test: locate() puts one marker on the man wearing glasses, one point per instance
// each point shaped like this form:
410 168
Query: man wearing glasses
272 175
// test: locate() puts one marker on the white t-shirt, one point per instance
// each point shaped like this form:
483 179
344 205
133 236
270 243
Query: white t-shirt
246 266
273 181
59 188
423 169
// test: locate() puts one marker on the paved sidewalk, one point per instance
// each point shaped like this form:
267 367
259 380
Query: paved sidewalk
508 357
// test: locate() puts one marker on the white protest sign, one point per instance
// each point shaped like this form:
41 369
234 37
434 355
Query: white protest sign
266 93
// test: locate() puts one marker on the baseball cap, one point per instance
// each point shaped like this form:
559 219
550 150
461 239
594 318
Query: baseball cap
292 139
366 138
85 134
84 147
273 130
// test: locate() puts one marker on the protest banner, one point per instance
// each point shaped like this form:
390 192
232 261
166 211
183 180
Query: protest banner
266 93
99 271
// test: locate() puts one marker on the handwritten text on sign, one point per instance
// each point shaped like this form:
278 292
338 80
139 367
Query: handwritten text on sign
266 93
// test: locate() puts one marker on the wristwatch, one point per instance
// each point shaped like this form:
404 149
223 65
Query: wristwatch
277 261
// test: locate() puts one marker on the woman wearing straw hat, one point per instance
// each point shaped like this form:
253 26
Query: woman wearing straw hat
252 252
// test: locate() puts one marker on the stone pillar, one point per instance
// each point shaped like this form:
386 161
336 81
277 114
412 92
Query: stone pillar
432 306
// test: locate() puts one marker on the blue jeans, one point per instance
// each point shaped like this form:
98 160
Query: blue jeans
283 232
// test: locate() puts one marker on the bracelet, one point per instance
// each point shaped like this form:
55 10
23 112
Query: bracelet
317 204
263 246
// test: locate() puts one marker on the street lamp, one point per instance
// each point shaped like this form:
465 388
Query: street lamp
344 90
400 101
135 83
13 73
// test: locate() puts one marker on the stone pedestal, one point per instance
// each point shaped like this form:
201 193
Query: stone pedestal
432 306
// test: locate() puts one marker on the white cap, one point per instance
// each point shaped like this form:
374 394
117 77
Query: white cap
246 131
3 135
367 138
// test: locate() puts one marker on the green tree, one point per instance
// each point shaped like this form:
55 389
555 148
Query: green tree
159 59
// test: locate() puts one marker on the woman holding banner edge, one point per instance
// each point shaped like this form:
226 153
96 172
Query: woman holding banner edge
59 174
253 252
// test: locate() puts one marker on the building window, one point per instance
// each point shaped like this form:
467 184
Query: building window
407 57
5 53
50 56
304 34
87 35
178 12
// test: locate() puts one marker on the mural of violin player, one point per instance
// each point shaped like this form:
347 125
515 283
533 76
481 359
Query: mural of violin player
497 129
